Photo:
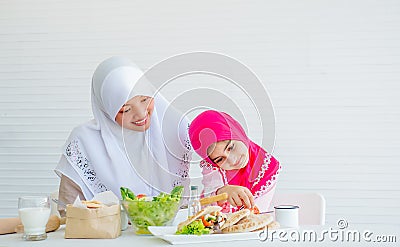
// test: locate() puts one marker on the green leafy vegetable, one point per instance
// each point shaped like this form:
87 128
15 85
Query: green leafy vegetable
127 194
177 191
158 212
194 228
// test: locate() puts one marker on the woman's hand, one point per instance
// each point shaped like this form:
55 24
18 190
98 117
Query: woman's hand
238 195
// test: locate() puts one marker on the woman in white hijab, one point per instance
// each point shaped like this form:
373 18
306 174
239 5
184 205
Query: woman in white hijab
126 142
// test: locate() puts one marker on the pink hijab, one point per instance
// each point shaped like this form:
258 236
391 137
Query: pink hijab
213 126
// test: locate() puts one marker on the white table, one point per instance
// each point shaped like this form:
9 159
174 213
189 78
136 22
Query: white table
129 238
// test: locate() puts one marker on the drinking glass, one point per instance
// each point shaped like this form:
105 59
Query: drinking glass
34 212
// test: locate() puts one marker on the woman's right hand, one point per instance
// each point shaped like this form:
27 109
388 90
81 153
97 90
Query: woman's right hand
238 195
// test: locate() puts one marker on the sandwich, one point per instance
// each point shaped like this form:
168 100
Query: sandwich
211 220
206 221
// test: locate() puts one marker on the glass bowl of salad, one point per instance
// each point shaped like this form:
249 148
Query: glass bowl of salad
146 211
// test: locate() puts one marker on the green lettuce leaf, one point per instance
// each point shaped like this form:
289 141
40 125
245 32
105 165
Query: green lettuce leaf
127 194
194 228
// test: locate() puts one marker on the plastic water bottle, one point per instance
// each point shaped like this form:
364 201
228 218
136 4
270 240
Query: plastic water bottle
194 201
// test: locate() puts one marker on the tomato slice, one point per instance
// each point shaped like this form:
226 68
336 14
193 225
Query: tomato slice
140 196
255 210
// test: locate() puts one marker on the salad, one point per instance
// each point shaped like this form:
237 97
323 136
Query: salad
146 211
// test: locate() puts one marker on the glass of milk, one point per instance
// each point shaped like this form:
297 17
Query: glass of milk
34 212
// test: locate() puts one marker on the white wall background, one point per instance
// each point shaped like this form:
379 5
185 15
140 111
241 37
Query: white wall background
332 69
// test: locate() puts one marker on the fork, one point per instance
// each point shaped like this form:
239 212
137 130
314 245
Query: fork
266 212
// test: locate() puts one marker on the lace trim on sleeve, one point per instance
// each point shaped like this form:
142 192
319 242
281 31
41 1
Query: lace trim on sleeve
264 167
223 173
83 167
183 171
268 184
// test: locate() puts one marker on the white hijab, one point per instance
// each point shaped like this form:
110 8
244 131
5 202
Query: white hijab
100 155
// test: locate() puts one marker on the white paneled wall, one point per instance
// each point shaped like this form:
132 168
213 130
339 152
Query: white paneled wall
332 69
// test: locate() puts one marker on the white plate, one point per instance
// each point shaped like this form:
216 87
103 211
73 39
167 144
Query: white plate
168 234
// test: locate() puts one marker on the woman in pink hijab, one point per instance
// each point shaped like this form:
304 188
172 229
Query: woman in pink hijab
232 163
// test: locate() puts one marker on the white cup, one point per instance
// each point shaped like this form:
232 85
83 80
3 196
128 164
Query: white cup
34 212
287 215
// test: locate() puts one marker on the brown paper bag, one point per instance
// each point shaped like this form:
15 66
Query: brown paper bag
103 222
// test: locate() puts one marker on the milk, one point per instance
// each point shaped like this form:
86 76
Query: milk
34 219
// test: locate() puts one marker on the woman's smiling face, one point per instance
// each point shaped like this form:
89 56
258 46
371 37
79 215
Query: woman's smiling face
229 154
135 114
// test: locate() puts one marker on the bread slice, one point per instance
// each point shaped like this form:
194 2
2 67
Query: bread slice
93 204
235 217
250 223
